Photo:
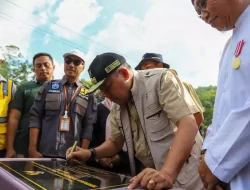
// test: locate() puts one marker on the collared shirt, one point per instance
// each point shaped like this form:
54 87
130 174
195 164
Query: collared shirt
177 105
23 100
228 140
49 106
195 97
70 87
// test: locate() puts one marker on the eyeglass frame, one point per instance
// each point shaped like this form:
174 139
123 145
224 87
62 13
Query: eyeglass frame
76 62
201 7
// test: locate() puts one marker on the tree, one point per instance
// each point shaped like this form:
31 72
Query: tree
207 97
15 66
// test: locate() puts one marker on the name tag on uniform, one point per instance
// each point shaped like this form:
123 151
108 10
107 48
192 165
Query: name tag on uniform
64 124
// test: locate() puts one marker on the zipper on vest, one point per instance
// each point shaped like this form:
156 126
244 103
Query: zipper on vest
60 134
144 132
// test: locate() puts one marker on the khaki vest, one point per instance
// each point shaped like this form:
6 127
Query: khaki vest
159 131
5 98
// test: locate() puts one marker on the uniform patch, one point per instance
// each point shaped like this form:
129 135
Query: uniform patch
55 85
54 91
112 66
83 92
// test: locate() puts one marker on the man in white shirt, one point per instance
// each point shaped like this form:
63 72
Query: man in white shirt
227 156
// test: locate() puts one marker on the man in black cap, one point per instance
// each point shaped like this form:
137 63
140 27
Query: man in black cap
155 60
151 61
148 106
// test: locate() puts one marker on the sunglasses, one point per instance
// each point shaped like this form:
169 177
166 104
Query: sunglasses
76 62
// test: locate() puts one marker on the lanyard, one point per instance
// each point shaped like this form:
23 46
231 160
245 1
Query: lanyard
66 99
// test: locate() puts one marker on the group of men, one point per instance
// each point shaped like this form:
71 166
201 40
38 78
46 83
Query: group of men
154 113
144 110
46 116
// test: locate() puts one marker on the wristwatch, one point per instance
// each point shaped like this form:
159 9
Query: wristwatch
93 154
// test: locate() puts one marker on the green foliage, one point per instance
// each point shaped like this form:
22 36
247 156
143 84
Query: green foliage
86 83
15 67
207 98
97 95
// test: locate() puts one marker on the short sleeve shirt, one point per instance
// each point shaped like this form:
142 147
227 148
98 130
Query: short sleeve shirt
174 100
23 100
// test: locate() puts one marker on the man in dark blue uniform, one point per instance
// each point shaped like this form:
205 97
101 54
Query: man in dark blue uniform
62 112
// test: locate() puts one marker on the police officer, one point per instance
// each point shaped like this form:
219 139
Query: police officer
7 91
62 112
148 106
155 60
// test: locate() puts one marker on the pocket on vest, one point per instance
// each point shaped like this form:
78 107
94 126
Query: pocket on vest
52 104
157 124
81 106
188 171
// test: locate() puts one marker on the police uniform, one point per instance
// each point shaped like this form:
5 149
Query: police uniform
7 91
228 138
49 106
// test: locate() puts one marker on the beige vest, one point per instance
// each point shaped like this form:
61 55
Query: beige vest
159 131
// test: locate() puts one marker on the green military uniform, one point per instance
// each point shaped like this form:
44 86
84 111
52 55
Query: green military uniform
23 100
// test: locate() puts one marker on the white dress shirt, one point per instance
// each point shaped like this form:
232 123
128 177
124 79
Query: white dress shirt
228 138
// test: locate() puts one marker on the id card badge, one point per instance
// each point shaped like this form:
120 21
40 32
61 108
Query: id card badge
64 123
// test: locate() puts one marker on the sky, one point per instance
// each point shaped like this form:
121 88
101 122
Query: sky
130 28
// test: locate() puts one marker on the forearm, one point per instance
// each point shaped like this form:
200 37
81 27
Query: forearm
236 142
108 149
12 127
85 143
34 133
181 147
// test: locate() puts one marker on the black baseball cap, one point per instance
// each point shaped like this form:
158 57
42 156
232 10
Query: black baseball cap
102 66
152 57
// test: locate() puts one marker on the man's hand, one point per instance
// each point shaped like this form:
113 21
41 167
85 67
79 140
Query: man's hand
209 180
110 162
11 153
79 154
33 153
106 163
115 160
152 179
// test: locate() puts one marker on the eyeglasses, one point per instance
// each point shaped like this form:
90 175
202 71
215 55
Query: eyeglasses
202 4
76 62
